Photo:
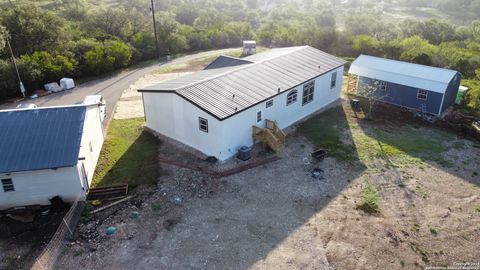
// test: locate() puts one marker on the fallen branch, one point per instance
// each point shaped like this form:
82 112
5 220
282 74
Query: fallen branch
110 205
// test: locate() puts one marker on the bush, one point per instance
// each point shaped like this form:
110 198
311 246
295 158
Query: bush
108 57
52 67
370 199
9 85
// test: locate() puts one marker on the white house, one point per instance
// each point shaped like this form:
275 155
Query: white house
213 110
48 152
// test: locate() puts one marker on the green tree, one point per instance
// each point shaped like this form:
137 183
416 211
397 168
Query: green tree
32 28
169 39
9 87
3 37
52 66
107 57
365 44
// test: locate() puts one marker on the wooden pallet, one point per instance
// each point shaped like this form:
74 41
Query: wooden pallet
352 84
109 192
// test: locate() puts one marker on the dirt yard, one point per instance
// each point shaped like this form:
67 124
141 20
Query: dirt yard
130 105
278 216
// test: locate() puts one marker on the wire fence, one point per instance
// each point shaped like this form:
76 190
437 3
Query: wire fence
49 256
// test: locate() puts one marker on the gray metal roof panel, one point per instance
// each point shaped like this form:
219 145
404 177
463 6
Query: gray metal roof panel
226 61
225 91
34 139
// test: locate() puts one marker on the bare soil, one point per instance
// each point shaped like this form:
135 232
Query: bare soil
21 243
277 216
130 105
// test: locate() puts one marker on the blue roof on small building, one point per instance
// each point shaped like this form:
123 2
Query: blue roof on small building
41 138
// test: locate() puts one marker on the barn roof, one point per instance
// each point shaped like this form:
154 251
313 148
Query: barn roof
404 73
40 138
225 91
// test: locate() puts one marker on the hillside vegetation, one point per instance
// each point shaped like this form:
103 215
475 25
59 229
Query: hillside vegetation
82 38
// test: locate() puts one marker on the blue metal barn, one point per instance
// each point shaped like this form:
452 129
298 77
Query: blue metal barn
428 89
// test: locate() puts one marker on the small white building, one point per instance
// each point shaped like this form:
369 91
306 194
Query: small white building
48 152
249 47
213 110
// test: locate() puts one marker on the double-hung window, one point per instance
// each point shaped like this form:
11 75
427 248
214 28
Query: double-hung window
203 124
308 90
333 80
382 86
422 94
8 185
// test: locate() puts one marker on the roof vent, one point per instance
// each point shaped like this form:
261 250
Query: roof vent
278 90
236 108
233 96
319 67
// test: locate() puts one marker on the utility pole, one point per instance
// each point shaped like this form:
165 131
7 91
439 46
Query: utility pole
155 28
22 88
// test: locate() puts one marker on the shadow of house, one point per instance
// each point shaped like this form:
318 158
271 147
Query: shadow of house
400 136
259 210
137 165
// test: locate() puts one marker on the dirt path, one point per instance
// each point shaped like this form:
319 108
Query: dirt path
277 216
130 104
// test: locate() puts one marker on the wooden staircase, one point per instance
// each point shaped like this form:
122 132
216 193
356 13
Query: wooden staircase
271 135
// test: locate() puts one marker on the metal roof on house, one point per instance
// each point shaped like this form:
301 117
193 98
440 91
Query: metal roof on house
226 61
223 92
40 138
404 73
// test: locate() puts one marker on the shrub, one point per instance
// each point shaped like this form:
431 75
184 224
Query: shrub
9 86
108 57
52 67
370 199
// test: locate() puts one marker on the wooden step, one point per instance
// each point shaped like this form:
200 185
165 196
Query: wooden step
108 192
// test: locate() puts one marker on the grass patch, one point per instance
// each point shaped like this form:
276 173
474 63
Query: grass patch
129 155
370 199
407 145
421 191
327 130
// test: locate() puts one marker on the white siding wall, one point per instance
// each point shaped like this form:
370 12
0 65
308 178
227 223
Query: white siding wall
238 128
92 135
37 187
177 118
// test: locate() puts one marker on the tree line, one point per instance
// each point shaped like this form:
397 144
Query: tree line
81 38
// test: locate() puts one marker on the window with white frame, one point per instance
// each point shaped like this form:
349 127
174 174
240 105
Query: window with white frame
203 124
8 185
308 89
382 85
292 97
269 103
422 94
259 116
333 81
